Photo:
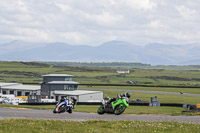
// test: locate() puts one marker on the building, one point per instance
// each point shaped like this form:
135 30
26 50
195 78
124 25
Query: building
19 89
56 86
52 82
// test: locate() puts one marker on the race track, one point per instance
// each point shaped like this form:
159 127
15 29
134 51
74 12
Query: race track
8 113
154 92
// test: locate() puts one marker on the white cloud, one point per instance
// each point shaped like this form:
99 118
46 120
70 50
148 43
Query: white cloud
140 4
187 13
156 24
104 18
95 22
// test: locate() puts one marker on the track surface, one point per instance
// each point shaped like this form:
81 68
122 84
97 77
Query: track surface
154 92
8 113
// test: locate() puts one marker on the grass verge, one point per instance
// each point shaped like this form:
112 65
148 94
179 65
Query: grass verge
93 126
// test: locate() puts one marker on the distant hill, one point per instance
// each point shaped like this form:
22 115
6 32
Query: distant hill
113 51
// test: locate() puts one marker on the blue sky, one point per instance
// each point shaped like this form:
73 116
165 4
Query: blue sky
93 22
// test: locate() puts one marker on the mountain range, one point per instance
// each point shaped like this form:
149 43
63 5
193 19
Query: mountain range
113 51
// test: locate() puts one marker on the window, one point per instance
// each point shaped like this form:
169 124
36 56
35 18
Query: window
11 92
4 92
69 87
27 93
19 93
66 87
68 79
75 87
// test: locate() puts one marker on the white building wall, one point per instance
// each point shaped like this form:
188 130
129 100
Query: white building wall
123 71
94 97
22 92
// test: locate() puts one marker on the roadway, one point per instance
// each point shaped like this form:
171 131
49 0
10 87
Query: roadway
9 113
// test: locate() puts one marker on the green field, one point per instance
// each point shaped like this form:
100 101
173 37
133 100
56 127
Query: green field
30 72
94 126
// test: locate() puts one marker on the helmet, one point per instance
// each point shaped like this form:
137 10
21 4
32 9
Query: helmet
74 98
127 94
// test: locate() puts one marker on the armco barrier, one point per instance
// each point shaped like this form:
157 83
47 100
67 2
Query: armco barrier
171 104
138 104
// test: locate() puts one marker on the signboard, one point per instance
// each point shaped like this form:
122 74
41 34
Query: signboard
198 108
184 105
154 104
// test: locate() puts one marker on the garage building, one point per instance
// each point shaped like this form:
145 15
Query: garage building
19 89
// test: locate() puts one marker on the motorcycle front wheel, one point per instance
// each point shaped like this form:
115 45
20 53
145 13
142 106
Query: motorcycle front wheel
119 109
101 110
60 108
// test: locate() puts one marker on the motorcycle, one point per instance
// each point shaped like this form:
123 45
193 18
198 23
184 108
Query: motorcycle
65 105
116 107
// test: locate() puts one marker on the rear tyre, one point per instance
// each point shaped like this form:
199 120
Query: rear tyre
119 109
101 110
69 111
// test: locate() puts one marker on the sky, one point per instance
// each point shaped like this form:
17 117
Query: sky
93 22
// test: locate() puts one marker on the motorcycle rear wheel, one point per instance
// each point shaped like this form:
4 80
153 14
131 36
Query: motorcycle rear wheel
101 110
69 110
119 109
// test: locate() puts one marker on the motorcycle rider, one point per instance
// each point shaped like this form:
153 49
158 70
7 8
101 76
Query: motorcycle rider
74 99
70 101
127 94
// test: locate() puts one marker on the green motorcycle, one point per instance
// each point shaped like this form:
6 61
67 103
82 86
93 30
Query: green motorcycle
116 106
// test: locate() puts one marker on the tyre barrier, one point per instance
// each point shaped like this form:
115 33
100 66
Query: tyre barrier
53 103
89 103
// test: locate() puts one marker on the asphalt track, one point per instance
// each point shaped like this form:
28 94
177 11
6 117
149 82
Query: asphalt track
154 92
9 113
